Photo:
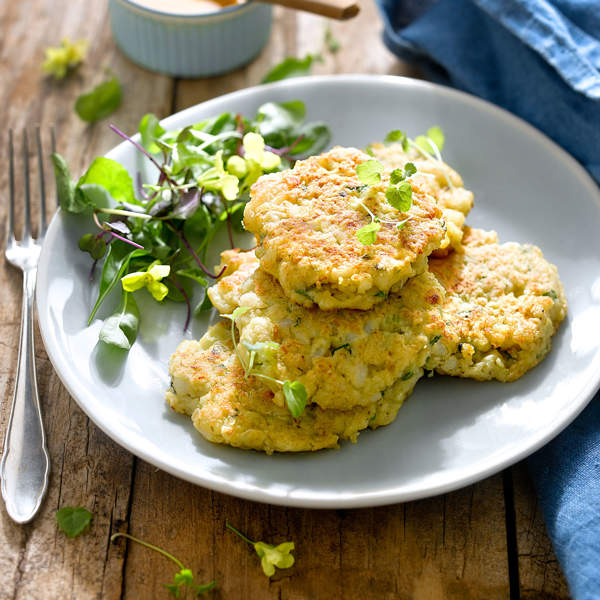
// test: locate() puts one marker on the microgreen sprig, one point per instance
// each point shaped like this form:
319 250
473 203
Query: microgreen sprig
429 146
294 392
398 194
184 578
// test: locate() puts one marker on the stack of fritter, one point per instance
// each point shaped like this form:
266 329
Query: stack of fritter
356 325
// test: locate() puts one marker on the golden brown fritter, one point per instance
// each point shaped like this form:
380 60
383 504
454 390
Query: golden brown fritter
306 219
439 181
503 304
343 358
208 383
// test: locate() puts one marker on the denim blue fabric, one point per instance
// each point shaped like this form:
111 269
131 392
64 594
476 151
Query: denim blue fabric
566 474
540 59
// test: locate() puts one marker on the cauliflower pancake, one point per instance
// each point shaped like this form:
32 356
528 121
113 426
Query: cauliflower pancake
433 176
306 219
208 384
344 358
503 304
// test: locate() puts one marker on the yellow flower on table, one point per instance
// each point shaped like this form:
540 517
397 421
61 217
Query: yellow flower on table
61 58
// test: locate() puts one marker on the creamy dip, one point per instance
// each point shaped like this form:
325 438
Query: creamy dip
186 7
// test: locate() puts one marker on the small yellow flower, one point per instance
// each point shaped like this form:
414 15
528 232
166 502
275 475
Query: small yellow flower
270 556
217 179
274 556
229 184
61 58
150 279
236 165
254 149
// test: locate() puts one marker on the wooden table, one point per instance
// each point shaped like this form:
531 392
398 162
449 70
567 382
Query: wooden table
486 541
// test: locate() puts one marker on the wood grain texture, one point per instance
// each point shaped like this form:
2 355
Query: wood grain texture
422 550
540 574
299 34
37 561
449 547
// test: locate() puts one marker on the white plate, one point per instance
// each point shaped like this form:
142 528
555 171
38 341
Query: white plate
451 432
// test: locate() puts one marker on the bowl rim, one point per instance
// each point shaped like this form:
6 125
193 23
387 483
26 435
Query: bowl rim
153 12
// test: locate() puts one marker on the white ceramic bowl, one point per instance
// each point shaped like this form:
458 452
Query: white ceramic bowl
190 45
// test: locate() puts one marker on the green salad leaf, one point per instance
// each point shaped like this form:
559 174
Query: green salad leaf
204 172
68 197
121 328
102 101
332 44
117 261
111 176
151 130
291 67
73 521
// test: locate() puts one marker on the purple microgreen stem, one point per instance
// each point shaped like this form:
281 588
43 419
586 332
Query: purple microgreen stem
287 149
180 289
92 270
123 239
141 189
143 151
189 248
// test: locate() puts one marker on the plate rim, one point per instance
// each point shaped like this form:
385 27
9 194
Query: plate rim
331 500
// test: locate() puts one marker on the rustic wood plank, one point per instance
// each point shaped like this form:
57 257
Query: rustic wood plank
540 573
449 547
429 549
88 469
298 34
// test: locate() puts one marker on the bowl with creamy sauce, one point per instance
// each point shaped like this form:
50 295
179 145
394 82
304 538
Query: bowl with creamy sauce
190 38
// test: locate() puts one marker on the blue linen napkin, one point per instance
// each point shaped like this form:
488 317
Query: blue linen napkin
539 59
566 474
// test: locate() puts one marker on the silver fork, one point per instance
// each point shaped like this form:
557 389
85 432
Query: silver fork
25 462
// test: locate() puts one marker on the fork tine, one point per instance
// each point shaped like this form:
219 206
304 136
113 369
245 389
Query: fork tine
53 149
42 182
10 225
27 226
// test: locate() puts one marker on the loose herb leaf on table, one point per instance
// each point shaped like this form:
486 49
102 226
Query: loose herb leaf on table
183 579
291 67
73 521
103 100
153 237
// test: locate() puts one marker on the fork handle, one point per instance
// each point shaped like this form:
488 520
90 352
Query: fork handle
25 462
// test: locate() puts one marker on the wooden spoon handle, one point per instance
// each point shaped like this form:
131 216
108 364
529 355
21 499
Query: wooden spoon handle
333 9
